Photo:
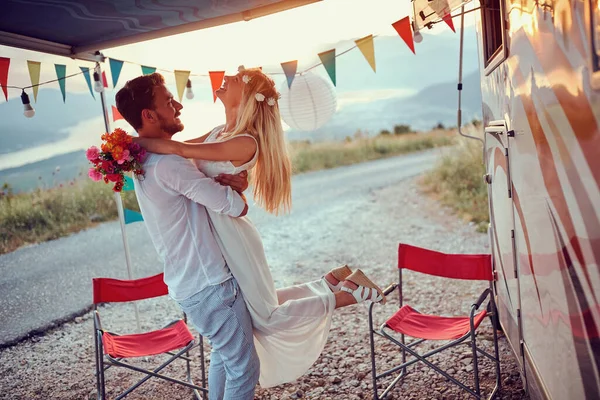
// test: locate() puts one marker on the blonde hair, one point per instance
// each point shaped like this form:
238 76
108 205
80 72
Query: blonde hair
271 177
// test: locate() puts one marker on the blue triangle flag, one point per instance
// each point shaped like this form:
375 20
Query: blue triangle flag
88 79
148 70
115 70
131 216
61 72
328 60
128 186
290 68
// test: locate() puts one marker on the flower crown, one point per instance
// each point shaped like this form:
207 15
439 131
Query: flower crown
259 96
270 100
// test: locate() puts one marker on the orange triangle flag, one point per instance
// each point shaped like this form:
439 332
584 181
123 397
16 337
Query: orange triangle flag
405 31
448 19
216 80
116 114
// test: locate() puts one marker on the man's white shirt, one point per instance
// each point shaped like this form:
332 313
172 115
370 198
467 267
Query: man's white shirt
173 197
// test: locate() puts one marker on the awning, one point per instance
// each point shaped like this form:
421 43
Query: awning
79 28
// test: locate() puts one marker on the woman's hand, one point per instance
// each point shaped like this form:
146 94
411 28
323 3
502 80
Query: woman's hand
159 146
238 182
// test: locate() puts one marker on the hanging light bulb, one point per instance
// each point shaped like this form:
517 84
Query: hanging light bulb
417 37
98 86
189 94
28 111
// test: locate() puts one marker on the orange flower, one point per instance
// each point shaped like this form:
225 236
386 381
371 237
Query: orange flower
117 152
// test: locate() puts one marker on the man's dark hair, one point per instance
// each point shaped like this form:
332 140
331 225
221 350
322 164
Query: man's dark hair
138 95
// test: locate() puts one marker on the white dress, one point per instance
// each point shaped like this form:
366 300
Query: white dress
291 325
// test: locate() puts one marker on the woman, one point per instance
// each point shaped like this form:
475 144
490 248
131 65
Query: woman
291 325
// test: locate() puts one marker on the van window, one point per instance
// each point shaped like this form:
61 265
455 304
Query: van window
494 48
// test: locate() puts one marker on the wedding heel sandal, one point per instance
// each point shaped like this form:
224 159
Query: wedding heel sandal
339 273
366 291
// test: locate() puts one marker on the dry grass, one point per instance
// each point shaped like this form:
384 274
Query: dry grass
312 157
457 181
48 214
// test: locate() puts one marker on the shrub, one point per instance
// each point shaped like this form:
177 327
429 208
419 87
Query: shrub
402 129
457 181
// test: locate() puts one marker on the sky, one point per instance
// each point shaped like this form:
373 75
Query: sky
297 34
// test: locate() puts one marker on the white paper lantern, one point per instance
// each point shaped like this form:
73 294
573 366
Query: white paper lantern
309 103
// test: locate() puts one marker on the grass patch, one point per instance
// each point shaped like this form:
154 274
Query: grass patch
457 181
47 214
312 157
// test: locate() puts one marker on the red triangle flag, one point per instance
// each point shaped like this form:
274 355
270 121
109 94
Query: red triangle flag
104 81
405 31
216 80
116 114
4 64
448 19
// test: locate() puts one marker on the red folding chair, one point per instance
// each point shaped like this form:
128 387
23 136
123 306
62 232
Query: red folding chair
175 339
454 330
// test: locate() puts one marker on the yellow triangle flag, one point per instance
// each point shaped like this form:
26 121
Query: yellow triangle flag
181 78
34 75
366 47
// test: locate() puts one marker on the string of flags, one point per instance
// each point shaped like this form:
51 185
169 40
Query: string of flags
404 27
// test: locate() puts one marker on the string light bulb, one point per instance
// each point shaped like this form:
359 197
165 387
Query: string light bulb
98 86
189 93
28 111
417 37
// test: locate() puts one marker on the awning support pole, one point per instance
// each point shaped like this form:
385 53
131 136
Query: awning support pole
119 202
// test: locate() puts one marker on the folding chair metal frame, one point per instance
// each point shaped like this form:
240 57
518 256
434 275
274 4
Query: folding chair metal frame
132 290
384 332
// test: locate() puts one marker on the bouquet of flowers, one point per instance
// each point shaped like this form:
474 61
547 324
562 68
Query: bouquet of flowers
119 155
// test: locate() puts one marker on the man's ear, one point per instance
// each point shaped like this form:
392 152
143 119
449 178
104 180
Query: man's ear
148 116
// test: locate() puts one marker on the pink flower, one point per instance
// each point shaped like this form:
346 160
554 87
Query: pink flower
95 175
135 147
139 157
92 153
124 157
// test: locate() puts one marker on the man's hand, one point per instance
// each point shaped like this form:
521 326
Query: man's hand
238 182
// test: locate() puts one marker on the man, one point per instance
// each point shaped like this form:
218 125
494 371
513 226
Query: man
173 197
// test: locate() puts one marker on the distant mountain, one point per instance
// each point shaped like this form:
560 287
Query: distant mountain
419 90
46 173
51 120
439 103
432 105
436 61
